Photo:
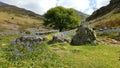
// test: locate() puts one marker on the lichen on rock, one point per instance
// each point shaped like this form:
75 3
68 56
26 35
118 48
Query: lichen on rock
84 35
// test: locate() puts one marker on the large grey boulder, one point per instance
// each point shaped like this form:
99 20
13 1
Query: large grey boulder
60 37
84 35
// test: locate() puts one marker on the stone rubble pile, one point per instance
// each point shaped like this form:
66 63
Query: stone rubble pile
63 36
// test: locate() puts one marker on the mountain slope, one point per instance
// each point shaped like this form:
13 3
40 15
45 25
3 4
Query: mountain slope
14 18
107 16
83 16
18 11
105 9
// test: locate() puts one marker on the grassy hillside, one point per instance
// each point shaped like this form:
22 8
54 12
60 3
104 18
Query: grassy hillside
107 16
18 11
110 20
104 10
14 18
13 22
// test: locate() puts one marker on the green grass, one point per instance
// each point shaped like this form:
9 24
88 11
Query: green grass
90 56
60 55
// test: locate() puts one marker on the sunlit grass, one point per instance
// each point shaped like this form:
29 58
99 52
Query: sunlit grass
60 55
8 20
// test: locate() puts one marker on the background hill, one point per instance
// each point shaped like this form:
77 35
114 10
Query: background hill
83 16
107 16
18 11
14 18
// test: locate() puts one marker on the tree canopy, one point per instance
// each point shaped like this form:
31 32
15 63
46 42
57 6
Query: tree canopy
61 18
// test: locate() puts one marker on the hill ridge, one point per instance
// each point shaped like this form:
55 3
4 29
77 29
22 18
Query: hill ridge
104 10
18 11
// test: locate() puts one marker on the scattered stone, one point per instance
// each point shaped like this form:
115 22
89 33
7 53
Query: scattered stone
63 36
113 41
26 42
46 32
60 39
26 39
84 35
57 39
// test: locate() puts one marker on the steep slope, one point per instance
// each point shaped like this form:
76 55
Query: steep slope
105 9
107 16
83 16
14 18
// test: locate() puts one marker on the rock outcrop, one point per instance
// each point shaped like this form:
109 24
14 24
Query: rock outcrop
60 39
84 35
104 10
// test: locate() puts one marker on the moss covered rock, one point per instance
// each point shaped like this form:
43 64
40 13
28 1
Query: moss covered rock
84 35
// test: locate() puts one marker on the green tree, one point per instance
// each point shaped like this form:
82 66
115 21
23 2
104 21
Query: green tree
61 18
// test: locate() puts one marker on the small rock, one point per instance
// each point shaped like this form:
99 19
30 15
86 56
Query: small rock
60 39
113 41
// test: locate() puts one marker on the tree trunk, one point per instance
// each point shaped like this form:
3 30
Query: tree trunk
60 29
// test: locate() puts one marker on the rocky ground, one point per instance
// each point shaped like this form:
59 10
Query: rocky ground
108 41
64 36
